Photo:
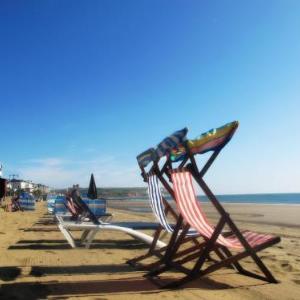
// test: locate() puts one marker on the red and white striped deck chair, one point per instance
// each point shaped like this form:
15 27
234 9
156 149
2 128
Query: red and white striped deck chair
245 243
161 208
172 147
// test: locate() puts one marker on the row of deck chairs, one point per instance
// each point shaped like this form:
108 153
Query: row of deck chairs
22 202
173 165
82 218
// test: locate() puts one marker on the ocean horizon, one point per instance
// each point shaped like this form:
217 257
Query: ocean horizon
269 198
259 198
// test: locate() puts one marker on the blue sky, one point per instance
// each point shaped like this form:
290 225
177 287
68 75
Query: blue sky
85 86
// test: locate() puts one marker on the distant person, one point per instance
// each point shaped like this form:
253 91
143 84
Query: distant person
2 188
82 209
14 205
72 206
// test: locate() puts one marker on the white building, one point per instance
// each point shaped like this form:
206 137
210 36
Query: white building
19 184
43 188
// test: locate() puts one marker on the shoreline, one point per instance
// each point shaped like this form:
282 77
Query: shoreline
205 202
268 214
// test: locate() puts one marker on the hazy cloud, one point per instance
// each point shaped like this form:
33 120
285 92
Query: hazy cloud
59 172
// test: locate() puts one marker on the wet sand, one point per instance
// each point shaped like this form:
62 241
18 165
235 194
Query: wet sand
37 263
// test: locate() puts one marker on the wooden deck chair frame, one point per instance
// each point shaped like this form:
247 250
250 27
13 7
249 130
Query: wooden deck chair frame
153 250
229 259
164 253
150 156
178 237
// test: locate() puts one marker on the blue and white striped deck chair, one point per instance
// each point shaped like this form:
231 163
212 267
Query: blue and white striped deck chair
160 208
27 202
158 203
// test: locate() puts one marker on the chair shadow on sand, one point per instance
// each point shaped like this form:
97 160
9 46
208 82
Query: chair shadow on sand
9 273
40 229
39 271
80 288
44 244
64 290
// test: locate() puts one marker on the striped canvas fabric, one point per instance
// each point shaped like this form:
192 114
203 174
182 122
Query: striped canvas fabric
60 205
208 141
27 202
158 207
191 210
171 142
51 203
156 204
146 157
97 206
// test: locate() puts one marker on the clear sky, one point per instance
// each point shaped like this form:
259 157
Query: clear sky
85 86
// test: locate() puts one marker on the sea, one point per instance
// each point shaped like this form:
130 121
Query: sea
284 198
257 198
272 199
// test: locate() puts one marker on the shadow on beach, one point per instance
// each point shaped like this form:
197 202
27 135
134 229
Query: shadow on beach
44 244
63 290
38 271
9 273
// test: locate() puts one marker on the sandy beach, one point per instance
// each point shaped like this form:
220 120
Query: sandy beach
37 263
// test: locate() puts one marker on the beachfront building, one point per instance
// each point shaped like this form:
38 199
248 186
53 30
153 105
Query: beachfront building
19 184
26 185
43 188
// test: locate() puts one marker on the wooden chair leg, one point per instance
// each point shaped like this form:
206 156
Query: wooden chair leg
151 251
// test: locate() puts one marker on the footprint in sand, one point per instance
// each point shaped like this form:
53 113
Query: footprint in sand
271 257
285 265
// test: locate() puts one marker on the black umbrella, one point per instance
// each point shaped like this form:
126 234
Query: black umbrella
92 192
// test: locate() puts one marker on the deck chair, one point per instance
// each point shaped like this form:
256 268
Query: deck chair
160 206
246 242
79 210
94 225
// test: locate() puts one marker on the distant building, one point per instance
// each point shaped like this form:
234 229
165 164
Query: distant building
26 185
43 188
19 184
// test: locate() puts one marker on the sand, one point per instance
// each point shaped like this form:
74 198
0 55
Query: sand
37 263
